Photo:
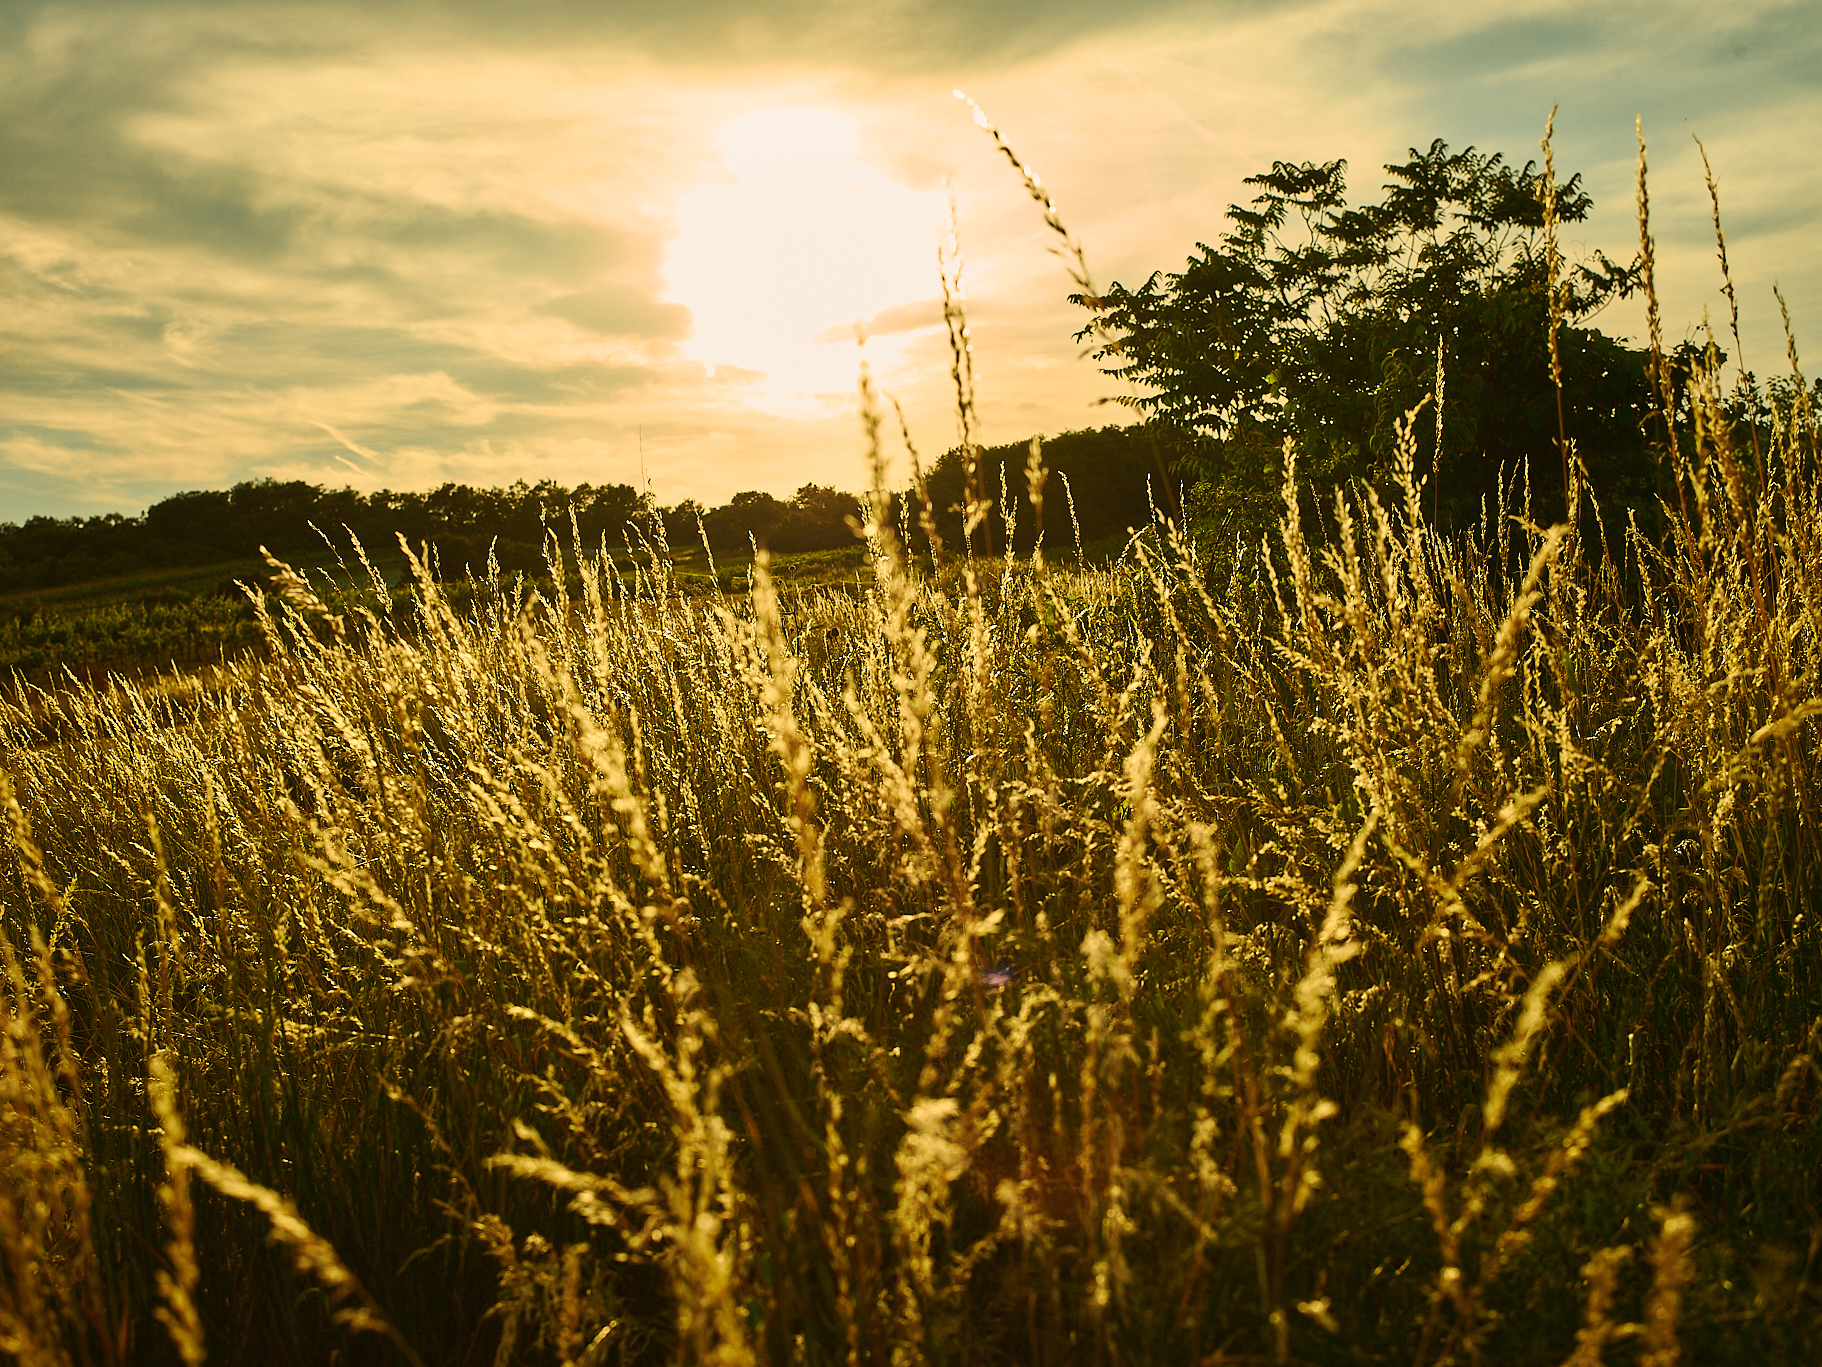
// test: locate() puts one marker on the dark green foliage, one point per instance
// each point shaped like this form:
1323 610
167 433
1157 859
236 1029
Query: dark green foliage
1115 475
1112 478
750 514
1319 321
158 632
203 527
817 518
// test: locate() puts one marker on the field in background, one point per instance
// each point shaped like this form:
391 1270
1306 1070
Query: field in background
166 585
142 625
135 625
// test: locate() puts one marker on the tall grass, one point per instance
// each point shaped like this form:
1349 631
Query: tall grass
1402 949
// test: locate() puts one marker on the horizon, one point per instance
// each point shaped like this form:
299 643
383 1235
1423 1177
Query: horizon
326 487
404 245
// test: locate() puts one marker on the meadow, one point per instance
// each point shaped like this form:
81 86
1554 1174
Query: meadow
1376 944
189 621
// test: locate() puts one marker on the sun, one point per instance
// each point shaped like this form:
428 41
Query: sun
801 240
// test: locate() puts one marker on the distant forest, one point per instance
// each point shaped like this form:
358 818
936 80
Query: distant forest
1111 475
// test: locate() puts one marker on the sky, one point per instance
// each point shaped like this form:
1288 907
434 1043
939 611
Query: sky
394 243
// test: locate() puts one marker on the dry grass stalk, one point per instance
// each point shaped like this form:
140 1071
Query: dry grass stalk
1001 960
177 1308
1671 1270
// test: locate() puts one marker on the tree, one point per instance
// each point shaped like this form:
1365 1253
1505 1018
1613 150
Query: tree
1325 323
1101 483
816 520
749 514
683 522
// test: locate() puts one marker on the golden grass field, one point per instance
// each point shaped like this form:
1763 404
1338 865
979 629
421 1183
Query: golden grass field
1402 948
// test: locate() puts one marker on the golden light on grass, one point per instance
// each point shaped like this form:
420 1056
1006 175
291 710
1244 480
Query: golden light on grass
1005 960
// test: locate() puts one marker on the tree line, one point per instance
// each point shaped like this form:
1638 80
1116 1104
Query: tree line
291 517
1114 475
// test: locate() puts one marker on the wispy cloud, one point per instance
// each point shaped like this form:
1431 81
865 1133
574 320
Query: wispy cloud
393 242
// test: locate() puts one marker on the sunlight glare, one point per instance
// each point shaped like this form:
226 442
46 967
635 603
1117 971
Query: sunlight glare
803 238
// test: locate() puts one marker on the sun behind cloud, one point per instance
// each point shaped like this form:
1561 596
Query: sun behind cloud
802 240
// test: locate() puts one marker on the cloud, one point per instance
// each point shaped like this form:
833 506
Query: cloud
272 230
618 312
352 446
895 35
479 241
914 317
1501 46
